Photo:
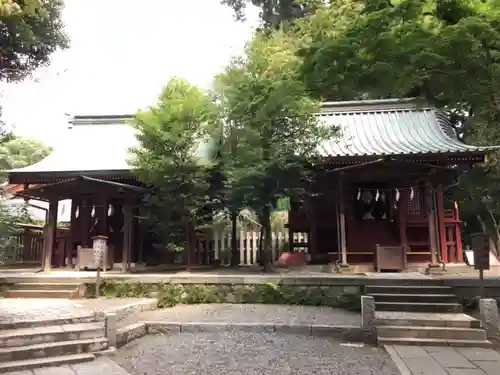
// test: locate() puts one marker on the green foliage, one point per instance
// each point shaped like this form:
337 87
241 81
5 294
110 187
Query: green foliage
170 294
273 13
272 127
31 31
174 159
10 216
16 152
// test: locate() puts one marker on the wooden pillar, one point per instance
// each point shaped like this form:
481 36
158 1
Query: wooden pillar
311 218
27 240
341 228
402 212
127 235
102 215
458 234
50 236
290 226
85 222
431 220
140 243
73 227
443 246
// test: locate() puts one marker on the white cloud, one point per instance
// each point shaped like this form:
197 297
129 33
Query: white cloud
122 53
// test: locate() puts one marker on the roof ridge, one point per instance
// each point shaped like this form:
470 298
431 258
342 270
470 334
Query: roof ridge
376 105
100 120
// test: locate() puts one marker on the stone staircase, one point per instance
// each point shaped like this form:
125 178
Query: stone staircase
423 314
42 289
28 345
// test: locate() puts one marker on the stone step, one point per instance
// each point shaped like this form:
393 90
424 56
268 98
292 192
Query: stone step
38 335
419 307
45 286
86 317
403 280
29 364
433 342
429 323
408 289
53 293
475 334
430 298
53 349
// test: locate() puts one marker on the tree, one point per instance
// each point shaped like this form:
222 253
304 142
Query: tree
273 120
444 51
274 12
31 31
17 152
174 159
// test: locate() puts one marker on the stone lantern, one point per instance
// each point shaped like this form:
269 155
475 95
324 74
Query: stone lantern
100 247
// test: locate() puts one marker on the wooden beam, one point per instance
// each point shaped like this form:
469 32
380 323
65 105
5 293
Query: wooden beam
73 227
441 227
313 230
431 218
402 212
50 236
342 224
127 235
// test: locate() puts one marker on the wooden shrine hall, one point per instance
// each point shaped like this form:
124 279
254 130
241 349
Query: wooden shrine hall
377 196
91 170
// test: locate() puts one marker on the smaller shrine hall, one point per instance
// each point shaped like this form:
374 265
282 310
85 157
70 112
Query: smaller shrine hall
376 198
91 169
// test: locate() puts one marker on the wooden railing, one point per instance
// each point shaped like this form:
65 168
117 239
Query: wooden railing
218 247
26 247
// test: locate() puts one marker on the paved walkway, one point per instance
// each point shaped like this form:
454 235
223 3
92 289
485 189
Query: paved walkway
436 360
101 366
15 310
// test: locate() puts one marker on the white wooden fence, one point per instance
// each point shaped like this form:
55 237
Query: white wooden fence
248 245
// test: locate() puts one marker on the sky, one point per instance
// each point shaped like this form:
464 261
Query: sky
122 53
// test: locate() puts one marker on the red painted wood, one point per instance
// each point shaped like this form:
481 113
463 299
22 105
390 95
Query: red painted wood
451 244
458 235
441 226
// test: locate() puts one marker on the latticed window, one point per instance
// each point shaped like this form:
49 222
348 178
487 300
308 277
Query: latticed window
414 202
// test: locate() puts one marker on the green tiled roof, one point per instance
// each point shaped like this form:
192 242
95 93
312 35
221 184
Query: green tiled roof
368 128
389 127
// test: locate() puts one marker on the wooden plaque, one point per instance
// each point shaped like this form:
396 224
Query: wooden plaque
391 258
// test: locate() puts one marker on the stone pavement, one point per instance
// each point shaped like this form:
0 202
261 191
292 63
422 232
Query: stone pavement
35 310
101 366
437 360
16 310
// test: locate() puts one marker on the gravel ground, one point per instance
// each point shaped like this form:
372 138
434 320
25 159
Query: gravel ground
249 313
245 353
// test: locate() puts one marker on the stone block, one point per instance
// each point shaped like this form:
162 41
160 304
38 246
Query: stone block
131 332
158 328
259 327
350 290
488 311
298 329
367 312
110 329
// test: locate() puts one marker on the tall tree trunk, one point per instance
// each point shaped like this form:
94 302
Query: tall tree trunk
235 253
190 244
266 249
